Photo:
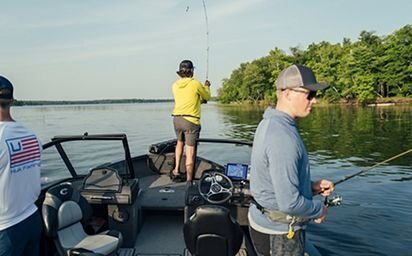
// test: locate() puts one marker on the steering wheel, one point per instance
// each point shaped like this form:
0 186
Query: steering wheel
215 187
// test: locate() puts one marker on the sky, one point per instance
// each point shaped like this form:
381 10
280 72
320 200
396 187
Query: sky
101 49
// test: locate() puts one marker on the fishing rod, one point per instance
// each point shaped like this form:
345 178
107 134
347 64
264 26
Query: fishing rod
373 166
207 36
337 200
207 39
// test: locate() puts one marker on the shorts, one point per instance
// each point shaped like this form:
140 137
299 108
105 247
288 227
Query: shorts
186 131
23 238
273 245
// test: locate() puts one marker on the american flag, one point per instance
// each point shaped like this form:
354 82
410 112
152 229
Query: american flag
23 150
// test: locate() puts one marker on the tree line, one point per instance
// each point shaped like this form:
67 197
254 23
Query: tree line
372 67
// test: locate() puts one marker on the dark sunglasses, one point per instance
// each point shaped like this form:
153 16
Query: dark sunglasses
311 94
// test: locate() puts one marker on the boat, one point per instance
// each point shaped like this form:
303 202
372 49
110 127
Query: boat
128 205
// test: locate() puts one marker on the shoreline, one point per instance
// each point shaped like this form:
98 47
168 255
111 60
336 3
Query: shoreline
381 102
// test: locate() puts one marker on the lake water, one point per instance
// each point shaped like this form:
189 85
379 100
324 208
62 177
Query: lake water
375 217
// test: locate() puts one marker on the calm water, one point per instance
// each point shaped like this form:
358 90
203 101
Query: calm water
375 218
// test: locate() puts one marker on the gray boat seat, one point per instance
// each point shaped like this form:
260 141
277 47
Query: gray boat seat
63 211
211 230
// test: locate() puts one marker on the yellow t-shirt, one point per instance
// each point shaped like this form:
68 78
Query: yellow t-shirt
188 94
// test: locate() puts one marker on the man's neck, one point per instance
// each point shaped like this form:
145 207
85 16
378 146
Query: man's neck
5 116
284 108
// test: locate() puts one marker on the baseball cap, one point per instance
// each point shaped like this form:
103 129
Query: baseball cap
186 64
298 76
6 89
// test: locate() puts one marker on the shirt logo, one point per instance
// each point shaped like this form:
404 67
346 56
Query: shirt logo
24 152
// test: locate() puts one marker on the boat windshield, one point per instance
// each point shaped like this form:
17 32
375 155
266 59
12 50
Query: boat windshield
63 159
225 152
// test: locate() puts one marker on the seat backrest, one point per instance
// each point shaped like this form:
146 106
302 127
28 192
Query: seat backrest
211 230
63 211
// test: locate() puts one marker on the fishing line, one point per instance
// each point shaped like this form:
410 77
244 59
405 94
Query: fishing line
207 36
207 39
369 168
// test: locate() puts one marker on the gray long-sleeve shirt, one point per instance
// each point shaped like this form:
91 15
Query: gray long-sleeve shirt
280 173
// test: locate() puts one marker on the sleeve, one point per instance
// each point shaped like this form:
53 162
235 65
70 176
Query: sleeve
284 171
204 91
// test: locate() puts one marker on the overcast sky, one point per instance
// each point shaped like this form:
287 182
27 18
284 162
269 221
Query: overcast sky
100 49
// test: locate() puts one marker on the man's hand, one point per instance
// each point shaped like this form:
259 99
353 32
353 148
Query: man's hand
207 83
322 187
322 218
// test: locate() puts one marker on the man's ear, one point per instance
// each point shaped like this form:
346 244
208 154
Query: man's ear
286 94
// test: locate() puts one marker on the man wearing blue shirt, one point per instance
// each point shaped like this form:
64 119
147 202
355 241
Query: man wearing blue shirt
280 179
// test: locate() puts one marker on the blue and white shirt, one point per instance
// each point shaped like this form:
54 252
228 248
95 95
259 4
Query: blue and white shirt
20 183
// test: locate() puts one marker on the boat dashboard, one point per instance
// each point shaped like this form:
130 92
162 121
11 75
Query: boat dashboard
218 188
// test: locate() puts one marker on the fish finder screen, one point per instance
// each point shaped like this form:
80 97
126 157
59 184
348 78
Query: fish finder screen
237 171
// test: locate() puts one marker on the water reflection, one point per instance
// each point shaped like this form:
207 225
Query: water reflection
371 133
359 135
242 120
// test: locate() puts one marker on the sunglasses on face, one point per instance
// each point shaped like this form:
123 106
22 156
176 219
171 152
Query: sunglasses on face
310 94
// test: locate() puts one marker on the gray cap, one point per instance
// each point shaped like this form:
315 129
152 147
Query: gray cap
6 89
298 76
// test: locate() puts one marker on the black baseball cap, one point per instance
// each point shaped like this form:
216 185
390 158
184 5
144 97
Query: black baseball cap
6 89
186 64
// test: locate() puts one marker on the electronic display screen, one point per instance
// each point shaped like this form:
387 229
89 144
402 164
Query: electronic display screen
237 171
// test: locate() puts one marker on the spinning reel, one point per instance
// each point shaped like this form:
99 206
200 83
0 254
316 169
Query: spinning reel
334 201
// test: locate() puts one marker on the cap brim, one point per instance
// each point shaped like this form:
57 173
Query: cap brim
316 87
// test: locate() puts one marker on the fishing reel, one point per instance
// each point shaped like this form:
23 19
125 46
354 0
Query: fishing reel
334 201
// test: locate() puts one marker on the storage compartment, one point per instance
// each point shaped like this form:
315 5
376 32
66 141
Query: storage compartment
125 219
126 195
103 186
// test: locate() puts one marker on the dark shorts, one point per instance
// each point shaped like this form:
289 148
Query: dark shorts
271 245
186 131
22 238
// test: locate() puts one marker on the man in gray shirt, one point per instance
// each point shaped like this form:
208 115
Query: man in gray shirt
280 180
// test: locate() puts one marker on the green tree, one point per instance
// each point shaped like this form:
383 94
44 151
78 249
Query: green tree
371 67
397 62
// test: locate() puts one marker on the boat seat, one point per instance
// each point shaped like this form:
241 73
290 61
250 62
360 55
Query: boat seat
211 230
63 211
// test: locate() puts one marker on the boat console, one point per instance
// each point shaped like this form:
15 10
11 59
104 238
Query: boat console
239 174
229 189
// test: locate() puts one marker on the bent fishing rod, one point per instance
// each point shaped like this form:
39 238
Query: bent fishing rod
207 36
337 200
207 39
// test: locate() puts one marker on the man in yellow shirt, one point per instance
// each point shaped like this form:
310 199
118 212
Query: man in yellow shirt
188 94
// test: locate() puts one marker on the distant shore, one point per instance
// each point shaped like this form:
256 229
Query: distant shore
390 101
380 101
78 102
376 102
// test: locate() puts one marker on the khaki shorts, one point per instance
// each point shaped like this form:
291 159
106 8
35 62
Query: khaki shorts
186 131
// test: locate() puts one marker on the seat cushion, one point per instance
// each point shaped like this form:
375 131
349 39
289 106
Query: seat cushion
74 237
103 244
